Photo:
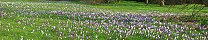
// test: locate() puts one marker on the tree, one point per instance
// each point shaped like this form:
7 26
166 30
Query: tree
162 2
147 1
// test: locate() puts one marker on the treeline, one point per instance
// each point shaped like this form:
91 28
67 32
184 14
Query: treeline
161 2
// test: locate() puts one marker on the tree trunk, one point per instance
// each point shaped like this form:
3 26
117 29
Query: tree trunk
147 1
162 2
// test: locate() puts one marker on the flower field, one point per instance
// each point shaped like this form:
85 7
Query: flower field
71 21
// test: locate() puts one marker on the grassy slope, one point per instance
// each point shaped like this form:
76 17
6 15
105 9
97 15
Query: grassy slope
8 32
141 7
129 6
10 29
22 0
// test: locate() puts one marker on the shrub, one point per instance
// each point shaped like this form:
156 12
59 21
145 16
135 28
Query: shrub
205 2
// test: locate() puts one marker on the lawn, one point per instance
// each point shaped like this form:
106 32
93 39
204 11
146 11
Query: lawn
63 20
142 7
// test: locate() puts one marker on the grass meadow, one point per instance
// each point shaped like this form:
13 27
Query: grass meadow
65 20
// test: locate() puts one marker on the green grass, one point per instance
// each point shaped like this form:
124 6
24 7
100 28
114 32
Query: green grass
22 0
10 29
126 6
141 7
